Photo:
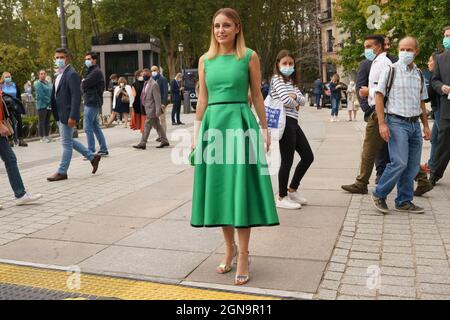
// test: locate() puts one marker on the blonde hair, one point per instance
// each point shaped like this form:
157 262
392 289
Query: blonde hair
336 78
239 46
123 80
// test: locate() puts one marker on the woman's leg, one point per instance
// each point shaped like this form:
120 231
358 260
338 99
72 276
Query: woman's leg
47 123
125 116
230 246
287 150
112 118
42 114
307 158
350 115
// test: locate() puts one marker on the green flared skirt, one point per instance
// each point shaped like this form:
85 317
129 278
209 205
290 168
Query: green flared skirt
232 185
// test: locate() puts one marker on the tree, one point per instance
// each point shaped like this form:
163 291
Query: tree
18 62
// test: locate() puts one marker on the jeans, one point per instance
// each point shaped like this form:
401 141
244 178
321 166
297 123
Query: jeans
405 150
293 140
69 144
434 139
93 130
335 107
10 160
318 98
382 160
44 122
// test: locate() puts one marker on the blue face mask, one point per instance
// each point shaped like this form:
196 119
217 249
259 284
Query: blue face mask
370 54
287 71
60 63
8 80
406 58
446 43
88 63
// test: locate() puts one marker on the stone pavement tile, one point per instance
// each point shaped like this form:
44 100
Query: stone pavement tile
356 271
362 242
26 231
368 249
11 236
436 270
326 198
343 245
144 262
336 276
184 212
364 256
330 285
348 289
382 297
336 267
429 248
397 281
426 296
428 242
397 243
429 278
49 251
325 294
93 229
363 263
394 249
431 255
355 280
368 236
431 262
442 289
400 263
339 259
396 271
407 292
175 235
313 217
267 273
148 207
298 243
352 298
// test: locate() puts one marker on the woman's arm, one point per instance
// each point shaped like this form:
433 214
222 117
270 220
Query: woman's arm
279 86
202 102
257 97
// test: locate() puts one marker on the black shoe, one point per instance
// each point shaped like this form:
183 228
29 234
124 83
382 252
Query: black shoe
181 124
433 180
421 190
377 179
140 147
103 153
409 207
174 123
355 189
158 140
95 163
380 205
22 143
163 145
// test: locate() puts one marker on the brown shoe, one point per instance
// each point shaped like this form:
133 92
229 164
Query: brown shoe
57 177
356 189
95 162
421 190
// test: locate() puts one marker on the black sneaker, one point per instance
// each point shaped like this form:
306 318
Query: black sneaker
140 147
380 205
409 207
103 153
433 180
421 190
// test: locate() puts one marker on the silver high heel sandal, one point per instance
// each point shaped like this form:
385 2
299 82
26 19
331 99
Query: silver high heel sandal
241 280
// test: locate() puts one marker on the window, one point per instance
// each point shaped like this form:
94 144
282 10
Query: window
330 41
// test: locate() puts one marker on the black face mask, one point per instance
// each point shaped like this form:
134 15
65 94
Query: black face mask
146 78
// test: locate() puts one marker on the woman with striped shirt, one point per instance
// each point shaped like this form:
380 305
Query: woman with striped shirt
284 87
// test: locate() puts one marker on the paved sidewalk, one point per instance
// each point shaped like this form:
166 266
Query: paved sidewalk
132 220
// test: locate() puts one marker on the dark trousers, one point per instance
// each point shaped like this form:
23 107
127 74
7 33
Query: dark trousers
382 160
18 126
293 140
442 155
318 98
176 112
10 160
44 122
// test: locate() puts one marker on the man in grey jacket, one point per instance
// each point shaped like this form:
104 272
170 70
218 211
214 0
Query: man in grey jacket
151 100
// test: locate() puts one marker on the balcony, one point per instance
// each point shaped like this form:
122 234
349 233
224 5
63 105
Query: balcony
325 16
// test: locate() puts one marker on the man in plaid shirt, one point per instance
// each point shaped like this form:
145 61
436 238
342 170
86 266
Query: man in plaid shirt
400 127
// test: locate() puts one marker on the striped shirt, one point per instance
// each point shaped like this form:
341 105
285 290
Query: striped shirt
406 93
281 90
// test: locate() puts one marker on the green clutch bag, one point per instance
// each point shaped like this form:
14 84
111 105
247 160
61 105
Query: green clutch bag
192 158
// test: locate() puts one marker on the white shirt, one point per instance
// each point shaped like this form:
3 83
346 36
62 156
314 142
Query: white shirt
59 77
379 64
406 93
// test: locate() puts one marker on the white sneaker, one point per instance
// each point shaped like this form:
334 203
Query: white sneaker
296 197
42 140
28 199
285 203
49 140
332 120
337 120
1 207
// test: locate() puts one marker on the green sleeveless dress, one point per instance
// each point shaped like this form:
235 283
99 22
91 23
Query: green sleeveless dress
232 186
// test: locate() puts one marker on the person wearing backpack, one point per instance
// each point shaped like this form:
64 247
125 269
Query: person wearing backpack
284 88
400 103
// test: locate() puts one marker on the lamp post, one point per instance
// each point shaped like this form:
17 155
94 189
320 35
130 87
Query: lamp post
181 49
62 21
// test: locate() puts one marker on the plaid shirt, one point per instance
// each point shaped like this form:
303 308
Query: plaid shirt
406 93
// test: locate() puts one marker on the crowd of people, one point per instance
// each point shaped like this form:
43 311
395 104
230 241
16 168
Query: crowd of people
391 91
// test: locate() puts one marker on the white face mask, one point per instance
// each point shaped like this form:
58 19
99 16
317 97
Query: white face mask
406 58
154 74
141 79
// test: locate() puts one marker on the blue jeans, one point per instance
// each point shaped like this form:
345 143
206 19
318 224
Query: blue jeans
434 139
10 160
335 106
93 130
318 97
69 144
405 150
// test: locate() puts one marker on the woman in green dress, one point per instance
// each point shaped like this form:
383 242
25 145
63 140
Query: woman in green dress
232 187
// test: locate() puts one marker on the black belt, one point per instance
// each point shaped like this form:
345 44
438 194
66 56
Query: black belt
230 102
411 119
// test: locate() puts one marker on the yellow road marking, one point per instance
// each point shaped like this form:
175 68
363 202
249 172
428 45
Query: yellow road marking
109 287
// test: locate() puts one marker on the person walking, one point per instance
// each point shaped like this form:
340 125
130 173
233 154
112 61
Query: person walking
122 101
43 91
176 88
402 84
66 101
14 100
373 143
229 191
93 86
9 158
151 100
441 83
336 95
138 111
284 88
163 85
352 104
318 92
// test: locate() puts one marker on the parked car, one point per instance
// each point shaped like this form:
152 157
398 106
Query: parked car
190 82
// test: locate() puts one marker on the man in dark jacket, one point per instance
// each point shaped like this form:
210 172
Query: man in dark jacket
441 83
318 91
164 88
66 101
93 86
